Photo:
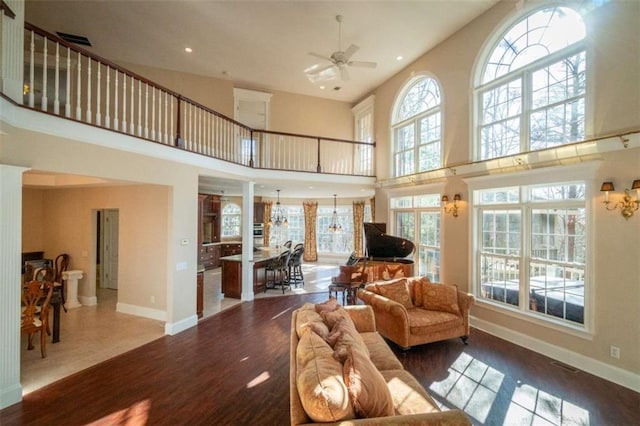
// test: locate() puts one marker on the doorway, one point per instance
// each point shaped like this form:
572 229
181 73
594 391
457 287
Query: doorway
107 259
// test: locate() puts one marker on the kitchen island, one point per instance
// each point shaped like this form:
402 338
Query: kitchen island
232 272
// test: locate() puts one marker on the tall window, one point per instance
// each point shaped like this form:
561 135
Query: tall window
417 218
417 128
363 125
531 93
531 248
231 220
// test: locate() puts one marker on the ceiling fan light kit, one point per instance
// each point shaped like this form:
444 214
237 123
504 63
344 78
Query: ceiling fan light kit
339 60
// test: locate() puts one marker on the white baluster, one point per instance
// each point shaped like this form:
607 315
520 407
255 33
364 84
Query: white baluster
139 108
124 103
45 100
31 71
187 142
88 89
166 108
56 95
115 102
153 113
99 96
107 112
146 111
79 89
67 103
160 135
170 135
133 91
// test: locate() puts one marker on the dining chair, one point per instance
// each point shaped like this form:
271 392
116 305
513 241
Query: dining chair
61 264
36 296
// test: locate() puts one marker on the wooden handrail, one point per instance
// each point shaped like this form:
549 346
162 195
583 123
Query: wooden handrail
298 135
7 10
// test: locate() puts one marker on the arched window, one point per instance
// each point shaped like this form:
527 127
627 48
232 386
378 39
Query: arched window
231 220
530 90
417 128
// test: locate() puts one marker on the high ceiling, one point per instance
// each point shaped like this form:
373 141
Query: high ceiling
263 44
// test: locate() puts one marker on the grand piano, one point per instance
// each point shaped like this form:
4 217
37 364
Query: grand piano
386 257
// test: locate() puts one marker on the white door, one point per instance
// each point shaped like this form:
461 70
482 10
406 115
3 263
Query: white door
109 232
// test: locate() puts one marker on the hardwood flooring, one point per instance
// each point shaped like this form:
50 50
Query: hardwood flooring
232 369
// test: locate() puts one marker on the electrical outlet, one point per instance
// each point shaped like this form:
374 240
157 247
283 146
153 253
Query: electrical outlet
614 352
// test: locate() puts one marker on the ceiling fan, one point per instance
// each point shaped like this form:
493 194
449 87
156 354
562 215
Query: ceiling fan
339 60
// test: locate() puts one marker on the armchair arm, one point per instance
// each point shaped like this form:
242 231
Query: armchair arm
465 301
392 318
363 317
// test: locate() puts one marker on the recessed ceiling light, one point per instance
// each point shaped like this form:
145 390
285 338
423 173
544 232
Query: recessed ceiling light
188 49
399 58
321 87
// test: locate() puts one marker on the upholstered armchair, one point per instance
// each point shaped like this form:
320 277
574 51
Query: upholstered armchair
413 311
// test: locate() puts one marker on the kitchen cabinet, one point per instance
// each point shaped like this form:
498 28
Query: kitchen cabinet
200 294
229 249
258 212
209 256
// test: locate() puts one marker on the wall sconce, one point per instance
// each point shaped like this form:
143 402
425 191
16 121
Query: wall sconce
453 209
627 205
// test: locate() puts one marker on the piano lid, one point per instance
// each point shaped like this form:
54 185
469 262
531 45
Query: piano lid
381 245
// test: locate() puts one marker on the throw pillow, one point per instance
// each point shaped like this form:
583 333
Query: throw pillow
367 388
329 305
344 335
309 319
440 297
415 287
330 318
321 386
397 291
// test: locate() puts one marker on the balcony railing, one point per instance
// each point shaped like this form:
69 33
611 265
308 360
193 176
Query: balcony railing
73 83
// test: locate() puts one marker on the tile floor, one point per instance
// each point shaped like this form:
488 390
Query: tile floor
92 334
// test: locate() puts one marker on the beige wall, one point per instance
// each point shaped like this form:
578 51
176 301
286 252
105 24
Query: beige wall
32 220
614 106
288 112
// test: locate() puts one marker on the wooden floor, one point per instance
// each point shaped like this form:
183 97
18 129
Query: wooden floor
232 369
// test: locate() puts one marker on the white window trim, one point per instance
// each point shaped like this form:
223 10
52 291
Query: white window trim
251 96
521 11
394 125
360 110
581 172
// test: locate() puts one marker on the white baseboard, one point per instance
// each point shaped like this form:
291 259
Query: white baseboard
88 300
182 325
10 395
598 368
140 311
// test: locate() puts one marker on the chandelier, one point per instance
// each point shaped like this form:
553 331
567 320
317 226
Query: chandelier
278 217
335 224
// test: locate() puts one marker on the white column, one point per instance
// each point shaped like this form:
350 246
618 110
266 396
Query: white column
13 51
71 277
247 241
10 258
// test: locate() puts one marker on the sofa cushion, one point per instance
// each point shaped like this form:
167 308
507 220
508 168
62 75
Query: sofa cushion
330 318
367 388
422 321
440 297
409 397
380 353
396 290
343 336
320 383
307 319
329 305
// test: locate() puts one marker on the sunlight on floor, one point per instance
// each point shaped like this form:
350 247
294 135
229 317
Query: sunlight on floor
137 414
472 386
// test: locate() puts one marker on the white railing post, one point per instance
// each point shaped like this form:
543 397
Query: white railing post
99 96
67 102
153 113
89 89
116 106
56 94
12 63
44 101
79 89
146 111
107 112
32 48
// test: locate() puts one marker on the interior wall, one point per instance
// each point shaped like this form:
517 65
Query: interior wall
288 112
32 220
613 107
142 210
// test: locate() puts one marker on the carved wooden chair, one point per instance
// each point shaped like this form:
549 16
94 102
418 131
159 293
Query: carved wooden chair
278 270
61 264
36 296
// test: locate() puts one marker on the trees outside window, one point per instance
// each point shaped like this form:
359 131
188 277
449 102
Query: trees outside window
417 128
231 220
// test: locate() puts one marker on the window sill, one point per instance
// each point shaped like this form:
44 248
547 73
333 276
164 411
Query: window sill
537 319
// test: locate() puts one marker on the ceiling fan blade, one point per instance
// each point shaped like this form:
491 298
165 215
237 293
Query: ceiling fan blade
317 55
325 74
350 51
317 70
362 64
344 74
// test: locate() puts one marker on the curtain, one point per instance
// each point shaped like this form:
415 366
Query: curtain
358 220
310 219
267 221
373 208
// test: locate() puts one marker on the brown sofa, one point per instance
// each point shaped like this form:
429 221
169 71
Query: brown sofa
318 382
413 311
